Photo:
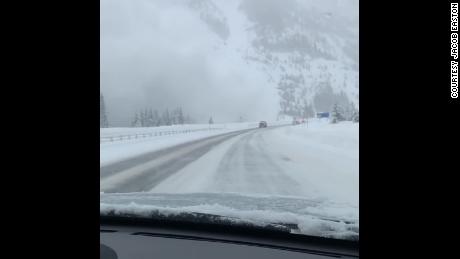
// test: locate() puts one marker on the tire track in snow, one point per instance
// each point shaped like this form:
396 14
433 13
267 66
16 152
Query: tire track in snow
133 176
247 167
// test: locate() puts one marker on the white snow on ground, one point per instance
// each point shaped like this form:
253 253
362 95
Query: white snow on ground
317 161
118 150
304 175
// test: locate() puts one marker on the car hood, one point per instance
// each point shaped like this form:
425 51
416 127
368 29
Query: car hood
313 217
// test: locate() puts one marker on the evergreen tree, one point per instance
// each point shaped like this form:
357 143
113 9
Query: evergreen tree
353 111
104 123
335 115
150 120
339 111
175 116
136 122
348 114
142 118
181 119
211 121
147 119
156 119
166 118
356 116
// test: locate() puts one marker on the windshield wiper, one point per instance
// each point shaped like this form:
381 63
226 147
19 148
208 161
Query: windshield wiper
156 216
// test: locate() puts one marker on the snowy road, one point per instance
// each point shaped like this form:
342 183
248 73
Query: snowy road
271 161
248 164
144 172
245 161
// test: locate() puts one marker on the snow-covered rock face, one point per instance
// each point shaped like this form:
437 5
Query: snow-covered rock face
308 50
212 16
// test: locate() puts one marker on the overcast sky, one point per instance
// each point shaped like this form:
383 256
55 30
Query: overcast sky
159 54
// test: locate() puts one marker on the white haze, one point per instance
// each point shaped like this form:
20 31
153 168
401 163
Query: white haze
159 54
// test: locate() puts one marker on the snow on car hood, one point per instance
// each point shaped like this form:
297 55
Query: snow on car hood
311 217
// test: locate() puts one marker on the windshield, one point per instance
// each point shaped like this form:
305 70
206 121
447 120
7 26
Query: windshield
245 110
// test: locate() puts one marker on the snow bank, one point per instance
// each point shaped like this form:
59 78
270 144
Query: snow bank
324 156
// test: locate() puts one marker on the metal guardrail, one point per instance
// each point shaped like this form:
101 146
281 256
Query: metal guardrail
158 133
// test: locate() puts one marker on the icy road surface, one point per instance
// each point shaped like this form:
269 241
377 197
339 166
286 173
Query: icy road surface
318 161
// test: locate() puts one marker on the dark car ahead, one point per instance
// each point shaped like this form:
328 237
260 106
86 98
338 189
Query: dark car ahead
262 124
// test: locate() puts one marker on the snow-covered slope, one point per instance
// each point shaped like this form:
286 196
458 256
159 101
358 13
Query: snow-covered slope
308 51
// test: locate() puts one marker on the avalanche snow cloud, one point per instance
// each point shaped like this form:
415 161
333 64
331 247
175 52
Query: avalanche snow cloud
226 59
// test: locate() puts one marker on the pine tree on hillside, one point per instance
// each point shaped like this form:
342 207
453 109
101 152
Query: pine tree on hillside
335 115
150 122
174 117
166 118
147 119
339 112
156 119
356 116
136 121
104 123
353 112
181 119
142 118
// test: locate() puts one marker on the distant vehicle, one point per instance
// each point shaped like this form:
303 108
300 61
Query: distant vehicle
298 121
262 124
322 115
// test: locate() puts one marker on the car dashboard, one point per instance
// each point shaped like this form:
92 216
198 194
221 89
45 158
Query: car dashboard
203 241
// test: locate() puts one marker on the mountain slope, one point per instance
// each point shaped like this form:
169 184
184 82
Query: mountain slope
308 51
